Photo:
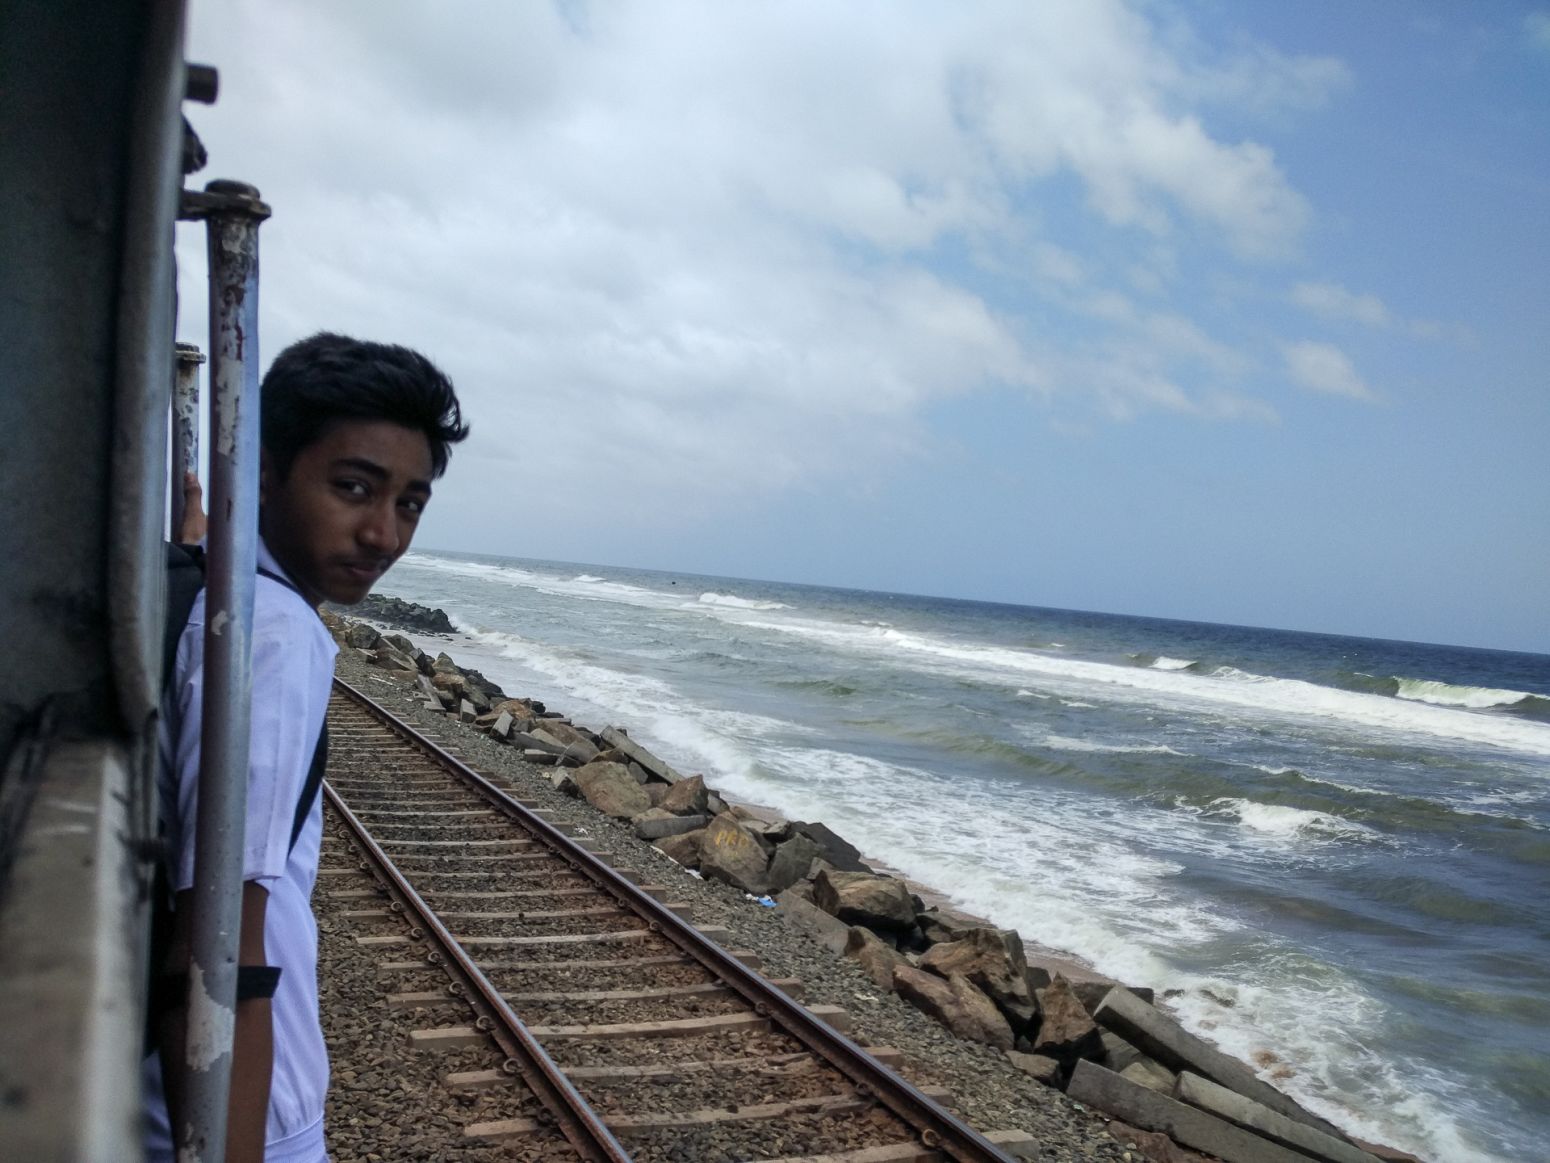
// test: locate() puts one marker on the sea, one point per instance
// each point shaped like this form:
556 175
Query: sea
1330 856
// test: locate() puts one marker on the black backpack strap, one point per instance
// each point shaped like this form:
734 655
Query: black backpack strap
185 578
309 790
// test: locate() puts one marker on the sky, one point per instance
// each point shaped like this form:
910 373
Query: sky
1227 312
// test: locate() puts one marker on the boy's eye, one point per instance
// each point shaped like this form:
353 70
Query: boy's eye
412 505
356 488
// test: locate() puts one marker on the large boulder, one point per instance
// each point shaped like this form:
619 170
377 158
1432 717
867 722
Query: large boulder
938 924
835 848
401 644
730 853
573 745
458 686
390 658
362 636
684 848
956 1003
791 862
610 789
520 710
1066 1030
397 612
864 898
877 958
993 960
1045 1070
687 797
489 689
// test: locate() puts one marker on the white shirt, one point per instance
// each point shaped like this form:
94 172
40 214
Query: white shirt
293 665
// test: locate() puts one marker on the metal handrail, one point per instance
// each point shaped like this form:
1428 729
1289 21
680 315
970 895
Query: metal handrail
233 213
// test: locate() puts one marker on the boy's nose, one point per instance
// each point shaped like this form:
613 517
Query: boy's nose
380 531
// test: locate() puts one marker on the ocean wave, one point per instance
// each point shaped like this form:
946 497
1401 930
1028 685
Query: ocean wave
1162 661
1061 743
732 601
1225 688
1282 822
1447 694
1521 704
585 586
823 686
1024 693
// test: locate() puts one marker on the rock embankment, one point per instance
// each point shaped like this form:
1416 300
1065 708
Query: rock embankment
396 612
1102 1043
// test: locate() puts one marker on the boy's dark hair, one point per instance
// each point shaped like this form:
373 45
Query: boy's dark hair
316 382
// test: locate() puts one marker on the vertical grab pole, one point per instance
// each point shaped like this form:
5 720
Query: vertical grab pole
233 213
185 428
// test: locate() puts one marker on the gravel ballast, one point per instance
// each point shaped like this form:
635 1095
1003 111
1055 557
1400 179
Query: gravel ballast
988 1091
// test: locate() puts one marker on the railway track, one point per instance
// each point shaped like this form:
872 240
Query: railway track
592 1017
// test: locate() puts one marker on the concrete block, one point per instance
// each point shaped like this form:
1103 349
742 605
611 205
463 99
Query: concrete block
618 740
1250 1115
656 829
830 932
502 725
533 743
1017 1144
465 711
1155 1034
1184 1124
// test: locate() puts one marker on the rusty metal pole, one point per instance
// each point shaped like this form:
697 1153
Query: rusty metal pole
185 428
233 213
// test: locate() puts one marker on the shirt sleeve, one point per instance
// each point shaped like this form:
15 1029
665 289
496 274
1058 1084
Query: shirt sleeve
292 663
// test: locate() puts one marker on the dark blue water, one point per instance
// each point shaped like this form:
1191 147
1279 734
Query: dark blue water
1333 853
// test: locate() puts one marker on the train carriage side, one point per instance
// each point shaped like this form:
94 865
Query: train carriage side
90 143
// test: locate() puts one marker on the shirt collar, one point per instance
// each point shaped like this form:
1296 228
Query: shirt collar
266 560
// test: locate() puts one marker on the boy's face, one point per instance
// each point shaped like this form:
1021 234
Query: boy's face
348 508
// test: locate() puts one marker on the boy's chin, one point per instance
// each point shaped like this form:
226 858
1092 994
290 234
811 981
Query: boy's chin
349 595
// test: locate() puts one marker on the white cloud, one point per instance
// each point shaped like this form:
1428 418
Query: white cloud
1322 367
700 244
1333 301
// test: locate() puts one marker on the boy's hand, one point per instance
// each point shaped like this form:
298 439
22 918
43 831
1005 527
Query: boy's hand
192 530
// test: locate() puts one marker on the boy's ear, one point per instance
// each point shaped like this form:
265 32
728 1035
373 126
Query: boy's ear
265 472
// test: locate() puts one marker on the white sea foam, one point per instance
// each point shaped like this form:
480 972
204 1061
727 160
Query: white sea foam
1061 743
1285 823
1163 662
584 586
1039 860
733 602
1023 693
1445 694
1225 689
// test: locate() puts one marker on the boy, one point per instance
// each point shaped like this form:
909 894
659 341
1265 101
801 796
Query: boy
353 434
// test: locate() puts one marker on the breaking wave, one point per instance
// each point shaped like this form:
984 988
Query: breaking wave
733 602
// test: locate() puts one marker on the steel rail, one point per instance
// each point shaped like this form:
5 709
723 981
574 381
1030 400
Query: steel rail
933 1125
582 1127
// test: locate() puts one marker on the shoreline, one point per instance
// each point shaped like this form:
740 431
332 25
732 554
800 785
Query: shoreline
1069 965
1045 968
